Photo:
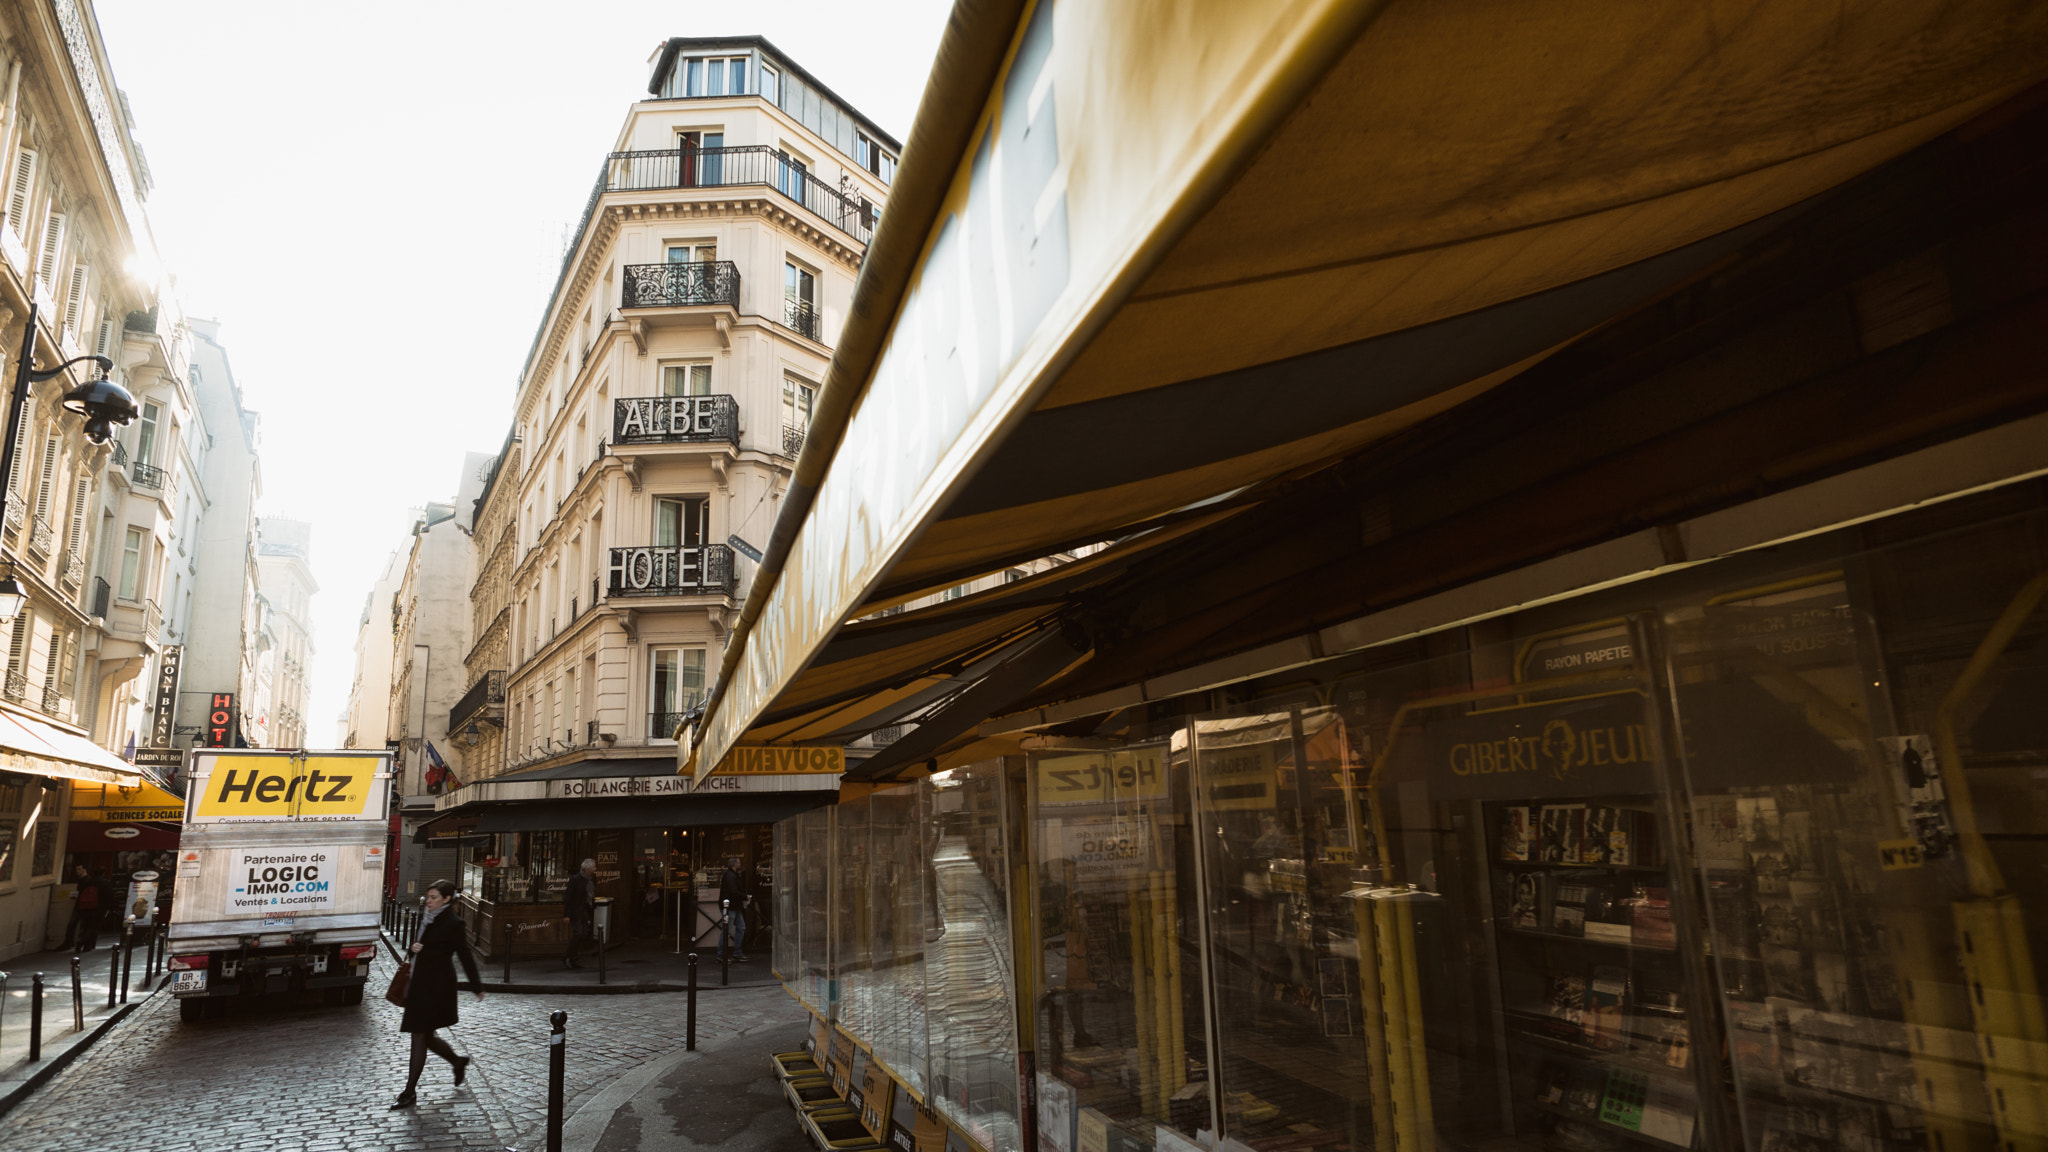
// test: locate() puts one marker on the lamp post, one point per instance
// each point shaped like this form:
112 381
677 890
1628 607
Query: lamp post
102 402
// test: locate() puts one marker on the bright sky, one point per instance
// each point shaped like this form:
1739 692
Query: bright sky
373 197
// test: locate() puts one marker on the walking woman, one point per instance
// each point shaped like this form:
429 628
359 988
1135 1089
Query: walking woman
430 995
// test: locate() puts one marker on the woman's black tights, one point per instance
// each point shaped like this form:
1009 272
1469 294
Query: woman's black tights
422 1043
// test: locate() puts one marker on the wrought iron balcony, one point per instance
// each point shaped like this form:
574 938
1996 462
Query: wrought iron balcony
53 701
792 439
120 454
146 475
690 167
74 568
40 538
16 687
676 420
681 285
102 597
671 570
15 515
801 315
663 725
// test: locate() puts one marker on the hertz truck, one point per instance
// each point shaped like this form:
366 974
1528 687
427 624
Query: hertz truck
280 875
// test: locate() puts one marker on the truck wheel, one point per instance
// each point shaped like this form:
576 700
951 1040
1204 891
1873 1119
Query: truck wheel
191 1010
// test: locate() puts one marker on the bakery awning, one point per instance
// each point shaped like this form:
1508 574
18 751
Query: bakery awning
38 749
671 812
1271 235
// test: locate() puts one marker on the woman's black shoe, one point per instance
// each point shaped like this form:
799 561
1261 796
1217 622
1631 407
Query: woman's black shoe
461 1068
406 1099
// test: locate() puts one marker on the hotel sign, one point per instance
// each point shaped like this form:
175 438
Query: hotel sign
220 720
162 729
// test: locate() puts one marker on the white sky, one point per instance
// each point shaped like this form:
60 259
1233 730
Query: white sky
372 198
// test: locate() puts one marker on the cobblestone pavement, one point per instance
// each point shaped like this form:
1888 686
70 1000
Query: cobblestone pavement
318 1078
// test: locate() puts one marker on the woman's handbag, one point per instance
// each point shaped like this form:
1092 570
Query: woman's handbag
399 981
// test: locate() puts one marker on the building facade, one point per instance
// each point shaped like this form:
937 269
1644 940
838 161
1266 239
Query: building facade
285 589
366 723
71 229
665 397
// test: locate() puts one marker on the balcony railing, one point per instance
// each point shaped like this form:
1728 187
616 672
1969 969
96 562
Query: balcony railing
40 538
671 570
146 475
801 315
477 703
16 687
53 701
152 619
680 285
15 515
689 167
102 597
676 419
663 725
792 440
74 568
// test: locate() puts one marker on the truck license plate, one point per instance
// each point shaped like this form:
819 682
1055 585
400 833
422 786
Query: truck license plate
188 980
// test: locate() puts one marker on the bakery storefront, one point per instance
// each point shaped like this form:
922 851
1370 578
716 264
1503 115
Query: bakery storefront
661 844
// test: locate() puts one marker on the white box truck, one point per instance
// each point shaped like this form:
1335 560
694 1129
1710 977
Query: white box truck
280 876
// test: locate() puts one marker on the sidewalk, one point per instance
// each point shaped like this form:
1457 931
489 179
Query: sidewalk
627 968
61 1040
723 1097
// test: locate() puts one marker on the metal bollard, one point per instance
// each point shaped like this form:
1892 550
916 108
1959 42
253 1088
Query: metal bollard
77 997
603 936
557 1058
35 1018
113 971
690 1031
127 956
508 951
724 971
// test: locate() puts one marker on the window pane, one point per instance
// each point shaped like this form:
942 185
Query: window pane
668 522
970 986
737 76
667 671
131 564
715 84
696 81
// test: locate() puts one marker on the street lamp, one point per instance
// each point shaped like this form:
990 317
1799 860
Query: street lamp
102 402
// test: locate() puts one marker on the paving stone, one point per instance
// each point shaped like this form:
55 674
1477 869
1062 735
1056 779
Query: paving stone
317 1078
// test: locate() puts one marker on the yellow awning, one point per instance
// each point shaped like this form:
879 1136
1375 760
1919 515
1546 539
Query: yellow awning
114 803
1139 256
38 749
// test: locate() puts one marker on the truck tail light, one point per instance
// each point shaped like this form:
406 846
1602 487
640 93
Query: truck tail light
199 961
358 951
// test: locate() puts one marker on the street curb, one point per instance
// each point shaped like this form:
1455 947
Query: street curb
57 1063
532 988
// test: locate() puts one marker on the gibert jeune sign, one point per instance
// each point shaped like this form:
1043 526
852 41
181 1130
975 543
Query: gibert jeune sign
1583 747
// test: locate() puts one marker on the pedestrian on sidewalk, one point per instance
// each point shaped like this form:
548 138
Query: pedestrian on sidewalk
82 933
734 898
579 904
430 994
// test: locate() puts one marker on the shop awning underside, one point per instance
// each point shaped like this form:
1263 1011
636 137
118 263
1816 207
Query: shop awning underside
29 745
1420 256
662 812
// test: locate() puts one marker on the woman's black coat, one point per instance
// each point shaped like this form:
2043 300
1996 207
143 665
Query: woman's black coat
430 997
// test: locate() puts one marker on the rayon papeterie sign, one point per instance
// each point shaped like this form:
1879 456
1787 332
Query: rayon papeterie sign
281 879
599 786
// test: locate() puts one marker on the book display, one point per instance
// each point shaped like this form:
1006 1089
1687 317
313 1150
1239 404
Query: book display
1599 1049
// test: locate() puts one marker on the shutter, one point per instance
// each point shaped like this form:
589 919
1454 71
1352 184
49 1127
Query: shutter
76 541
56 659
20 447
105 340
67 680
49 478
24 627
53 248
74 300
18 190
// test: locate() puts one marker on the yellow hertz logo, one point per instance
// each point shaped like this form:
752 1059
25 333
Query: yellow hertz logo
281 791
1558 753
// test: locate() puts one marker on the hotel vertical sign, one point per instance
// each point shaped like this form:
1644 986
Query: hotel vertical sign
220 720
163 729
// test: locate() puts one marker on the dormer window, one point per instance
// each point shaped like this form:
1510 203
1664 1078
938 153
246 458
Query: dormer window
710 76
870 156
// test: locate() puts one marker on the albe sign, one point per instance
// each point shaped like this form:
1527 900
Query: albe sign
281 879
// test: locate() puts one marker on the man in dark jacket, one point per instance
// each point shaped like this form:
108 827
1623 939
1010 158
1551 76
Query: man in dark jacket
579 903
82 933
733 898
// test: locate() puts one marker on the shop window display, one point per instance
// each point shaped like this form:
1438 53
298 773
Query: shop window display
897 886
